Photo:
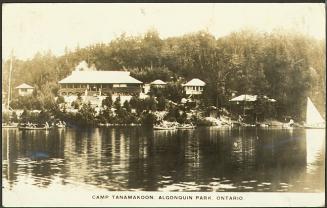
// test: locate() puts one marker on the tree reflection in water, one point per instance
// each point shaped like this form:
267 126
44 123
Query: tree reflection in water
203 159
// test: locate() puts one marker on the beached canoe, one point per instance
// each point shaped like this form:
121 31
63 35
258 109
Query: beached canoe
186 126
164 127
34 128
9 125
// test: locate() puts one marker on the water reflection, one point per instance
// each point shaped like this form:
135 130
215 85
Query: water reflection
204 159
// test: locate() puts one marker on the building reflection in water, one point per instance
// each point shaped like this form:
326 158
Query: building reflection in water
204 159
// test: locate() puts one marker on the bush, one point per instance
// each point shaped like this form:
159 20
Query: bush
107 102
117 104
127 106
176 113
148 118
60 100
14 117
43 117
86 115
5 117
173 92
75 104
106 116
161 103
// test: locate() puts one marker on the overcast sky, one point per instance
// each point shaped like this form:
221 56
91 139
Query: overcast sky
28 28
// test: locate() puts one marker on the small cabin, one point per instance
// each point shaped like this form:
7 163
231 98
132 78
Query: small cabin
158 83
25 89
194 87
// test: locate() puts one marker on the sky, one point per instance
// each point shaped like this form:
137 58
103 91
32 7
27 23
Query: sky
29 28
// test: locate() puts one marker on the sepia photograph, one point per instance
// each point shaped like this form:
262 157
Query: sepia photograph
163 104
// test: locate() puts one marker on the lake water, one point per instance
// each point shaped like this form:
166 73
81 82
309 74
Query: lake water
136 158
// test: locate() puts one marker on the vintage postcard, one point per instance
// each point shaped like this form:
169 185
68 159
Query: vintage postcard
188 104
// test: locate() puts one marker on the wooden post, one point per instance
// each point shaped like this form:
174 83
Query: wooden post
9 81
244 106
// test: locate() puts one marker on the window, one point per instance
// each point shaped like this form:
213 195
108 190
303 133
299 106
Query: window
120 85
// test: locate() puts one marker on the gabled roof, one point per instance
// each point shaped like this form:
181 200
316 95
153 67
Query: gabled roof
24 86
195 82
158 82
101 77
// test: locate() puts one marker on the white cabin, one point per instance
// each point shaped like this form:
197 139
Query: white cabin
194 87
158 83
25 89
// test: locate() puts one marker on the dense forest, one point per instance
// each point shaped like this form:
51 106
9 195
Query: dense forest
285 66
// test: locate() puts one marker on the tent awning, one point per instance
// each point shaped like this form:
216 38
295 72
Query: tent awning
244 98
249 98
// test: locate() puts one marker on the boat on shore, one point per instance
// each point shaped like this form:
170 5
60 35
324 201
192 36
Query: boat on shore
60 125
185 126
118 125
34 128
262 125
160 127
288 125
165 125
30 126
10 125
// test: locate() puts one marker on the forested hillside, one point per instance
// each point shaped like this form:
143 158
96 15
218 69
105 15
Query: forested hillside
285 66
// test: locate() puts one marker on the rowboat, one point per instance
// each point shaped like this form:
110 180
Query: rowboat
185 126
34 127
13 125
61 124
160 127
264 125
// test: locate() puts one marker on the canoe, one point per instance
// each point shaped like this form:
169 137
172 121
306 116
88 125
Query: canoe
9 126
164 128
185 127
264 125
60 126
33 128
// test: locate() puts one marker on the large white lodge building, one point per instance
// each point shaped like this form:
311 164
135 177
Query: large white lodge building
88 82
102 83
